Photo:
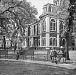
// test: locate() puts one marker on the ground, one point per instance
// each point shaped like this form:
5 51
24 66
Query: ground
22 68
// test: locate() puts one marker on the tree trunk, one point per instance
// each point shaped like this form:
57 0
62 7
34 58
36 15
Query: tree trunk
67 51
67 46
4 42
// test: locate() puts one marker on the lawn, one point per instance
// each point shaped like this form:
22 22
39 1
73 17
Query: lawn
21 68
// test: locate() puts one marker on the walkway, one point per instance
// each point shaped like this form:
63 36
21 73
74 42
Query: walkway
65 65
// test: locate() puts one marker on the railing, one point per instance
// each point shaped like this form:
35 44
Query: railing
3 52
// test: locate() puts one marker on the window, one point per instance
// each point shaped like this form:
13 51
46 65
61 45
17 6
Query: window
38 42
73 44
30 30
56 2
23 43
53 41
44 25
44 35
43 41
45 9
50 41
52 25
26 32
62 26
30 43
49 9
38 28
7 43
35 29
63 42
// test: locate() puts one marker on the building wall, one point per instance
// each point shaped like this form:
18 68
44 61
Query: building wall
49 26
52 27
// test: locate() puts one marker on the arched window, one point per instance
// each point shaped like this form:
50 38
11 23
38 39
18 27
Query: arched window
38 42
63 42
30 42
52 25
45 9
44 25
57 2
50 41
53 41
43 41
49 9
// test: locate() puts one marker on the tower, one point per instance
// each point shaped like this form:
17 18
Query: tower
49 24
57 2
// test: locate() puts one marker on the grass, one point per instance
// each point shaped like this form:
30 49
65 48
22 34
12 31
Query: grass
21 68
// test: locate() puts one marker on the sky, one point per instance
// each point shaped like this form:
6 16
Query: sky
39 5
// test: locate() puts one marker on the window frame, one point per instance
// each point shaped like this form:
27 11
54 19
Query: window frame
44 25
54 43
49 9
43 40
30 30
38 42
53 25
38 28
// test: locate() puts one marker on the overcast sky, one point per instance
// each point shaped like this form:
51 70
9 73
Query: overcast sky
39 4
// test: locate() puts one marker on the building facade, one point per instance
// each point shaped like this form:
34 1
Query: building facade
47 31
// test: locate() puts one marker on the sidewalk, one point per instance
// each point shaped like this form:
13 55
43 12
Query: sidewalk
65 65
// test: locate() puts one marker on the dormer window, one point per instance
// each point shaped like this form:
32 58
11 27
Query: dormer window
49 9
45 9
57 2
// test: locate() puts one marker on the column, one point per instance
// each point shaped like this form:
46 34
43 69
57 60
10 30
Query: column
58 43
47 31
40 34
47 35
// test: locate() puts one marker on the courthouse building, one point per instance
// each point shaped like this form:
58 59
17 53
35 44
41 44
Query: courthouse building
47 31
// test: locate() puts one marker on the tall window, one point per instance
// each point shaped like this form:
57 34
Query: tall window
30 43
62 26
44 25
38 28
35 29
45 9
43 41
24 43
30 30
57 2
26 32
38 42
52 25
53 41
49 9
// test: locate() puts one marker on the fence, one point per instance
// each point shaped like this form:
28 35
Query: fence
35 52
4 53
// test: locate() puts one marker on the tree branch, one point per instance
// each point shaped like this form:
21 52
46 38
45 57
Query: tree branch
10 8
